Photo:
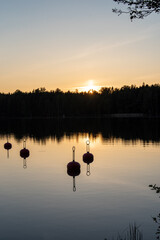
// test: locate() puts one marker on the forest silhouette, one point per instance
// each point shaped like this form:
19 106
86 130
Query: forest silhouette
142 100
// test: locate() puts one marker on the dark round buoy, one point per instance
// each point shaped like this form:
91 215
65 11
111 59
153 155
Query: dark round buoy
73 169
24 153
88 158
7 146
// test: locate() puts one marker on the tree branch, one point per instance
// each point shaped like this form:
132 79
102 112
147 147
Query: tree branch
138 9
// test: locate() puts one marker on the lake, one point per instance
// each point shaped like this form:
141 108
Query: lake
37 200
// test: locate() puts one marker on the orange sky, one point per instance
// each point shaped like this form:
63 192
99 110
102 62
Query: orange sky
54 44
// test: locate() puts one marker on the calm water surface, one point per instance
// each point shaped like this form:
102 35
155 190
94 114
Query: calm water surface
38 202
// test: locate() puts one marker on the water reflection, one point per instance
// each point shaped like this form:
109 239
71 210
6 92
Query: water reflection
24 153
73 169
145 130
105 203
88 157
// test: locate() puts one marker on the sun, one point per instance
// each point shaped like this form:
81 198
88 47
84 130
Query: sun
90 88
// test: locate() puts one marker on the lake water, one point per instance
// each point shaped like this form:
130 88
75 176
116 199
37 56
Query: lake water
38 202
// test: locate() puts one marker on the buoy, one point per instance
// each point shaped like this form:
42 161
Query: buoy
73 169
7 146
24 153
88 157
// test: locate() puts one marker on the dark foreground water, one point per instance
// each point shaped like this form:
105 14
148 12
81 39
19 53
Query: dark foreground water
37 200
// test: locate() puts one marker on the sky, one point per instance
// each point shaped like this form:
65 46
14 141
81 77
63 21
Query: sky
73 44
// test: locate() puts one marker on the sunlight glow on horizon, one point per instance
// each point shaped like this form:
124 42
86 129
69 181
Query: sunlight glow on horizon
90 87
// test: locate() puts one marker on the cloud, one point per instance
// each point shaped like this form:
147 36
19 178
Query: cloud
97 48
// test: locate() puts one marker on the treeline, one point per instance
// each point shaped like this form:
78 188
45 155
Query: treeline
41 103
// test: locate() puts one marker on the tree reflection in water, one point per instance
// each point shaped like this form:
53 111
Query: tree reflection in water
128 129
